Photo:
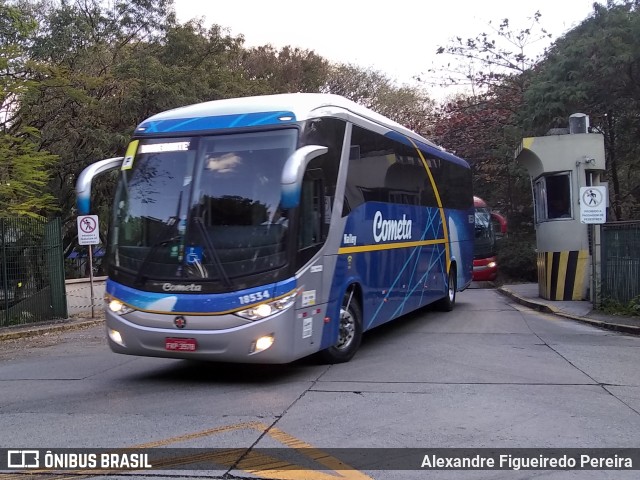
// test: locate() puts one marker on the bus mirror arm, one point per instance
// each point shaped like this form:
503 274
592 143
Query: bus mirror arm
293 172
83 184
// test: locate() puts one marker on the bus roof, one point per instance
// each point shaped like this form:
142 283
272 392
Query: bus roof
478 202
280 109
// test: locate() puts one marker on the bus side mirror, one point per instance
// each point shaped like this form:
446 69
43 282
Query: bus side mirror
293 172
83 184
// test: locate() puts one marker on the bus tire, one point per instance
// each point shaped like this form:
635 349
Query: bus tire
350 332
448 302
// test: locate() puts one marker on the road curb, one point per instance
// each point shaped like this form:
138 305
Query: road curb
542 307
45 329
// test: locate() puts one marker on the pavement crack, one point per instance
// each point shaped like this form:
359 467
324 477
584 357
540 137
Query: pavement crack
606 389
602 385
273 424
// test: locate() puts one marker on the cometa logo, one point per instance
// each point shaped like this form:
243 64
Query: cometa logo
385 230
170 287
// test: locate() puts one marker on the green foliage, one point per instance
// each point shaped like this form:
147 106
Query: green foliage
23 177
517 259
595 69
408 105
288 70
614 307
24 166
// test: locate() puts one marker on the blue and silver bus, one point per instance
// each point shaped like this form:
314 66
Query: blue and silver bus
266 229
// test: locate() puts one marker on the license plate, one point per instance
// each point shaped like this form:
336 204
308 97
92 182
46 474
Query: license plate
180 344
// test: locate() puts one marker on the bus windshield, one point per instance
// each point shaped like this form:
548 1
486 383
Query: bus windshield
202 208
485 243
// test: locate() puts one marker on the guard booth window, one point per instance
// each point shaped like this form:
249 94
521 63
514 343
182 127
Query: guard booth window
552 197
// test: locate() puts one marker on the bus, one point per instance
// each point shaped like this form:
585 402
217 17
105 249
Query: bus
266 229
490 226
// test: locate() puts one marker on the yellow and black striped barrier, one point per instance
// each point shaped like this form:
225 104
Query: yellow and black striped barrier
561 275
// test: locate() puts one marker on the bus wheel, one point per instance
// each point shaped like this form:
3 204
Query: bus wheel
447 303
350 333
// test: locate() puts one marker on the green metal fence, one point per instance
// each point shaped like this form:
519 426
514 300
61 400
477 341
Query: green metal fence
32 287
621 261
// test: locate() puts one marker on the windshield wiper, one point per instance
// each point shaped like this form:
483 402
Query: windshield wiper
211 249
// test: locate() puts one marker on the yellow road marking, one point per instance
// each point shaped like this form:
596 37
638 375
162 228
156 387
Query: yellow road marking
250 461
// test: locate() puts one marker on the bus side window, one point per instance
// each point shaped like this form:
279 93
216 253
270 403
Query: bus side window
313 228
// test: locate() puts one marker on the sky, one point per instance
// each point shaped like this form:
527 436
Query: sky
398 38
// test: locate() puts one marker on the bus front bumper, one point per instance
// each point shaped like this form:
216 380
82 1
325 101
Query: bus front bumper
240 344
485 269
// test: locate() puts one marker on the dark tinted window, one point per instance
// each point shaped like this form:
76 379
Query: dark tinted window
384 170
453 182
327 132
319 184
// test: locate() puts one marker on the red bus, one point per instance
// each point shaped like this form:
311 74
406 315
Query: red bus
489 226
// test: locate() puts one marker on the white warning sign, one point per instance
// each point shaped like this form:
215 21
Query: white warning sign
88 230
593 204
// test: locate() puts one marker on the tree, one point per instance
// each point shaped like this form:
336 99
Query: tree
265 70
595 69
24 167
76 97
355 83
410 106
490 60
482 125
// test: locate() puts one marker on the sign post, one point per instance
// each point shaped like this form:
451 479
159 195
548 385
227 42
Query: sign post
89 234
593 212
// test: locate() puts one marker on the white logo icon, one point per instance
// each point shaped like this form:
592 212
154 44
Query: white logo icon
23 459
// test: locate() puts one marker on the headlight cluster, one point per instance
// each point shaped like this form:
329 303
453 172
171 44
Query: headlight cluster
116 306
264 310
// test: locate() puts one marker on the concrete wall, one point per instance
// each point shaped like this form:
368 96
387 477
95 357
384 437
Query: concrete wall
79 295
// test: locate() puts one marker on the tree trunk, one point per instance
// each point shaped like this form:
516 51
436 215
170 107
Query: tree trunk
610 145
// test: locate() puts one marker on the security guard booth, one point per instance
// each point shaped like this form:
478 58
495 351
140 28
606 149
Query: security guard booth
559 164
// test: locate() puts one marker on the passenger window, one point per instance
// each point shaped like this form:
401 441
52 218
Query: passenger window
314 226
382 169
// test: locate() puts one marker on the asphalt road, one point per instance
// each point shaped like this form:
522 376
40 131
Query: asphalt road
490 374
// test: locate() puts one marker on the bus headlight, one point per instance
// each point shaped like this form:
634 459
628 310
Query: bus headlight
116 337
267 309
116 306
261 344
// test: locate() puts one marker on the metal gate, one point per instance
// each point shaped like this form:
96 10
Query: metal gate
32 287
620 261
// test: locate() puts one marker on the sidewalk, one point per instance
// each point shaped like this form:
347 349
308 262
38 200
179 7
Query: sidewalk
527 294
